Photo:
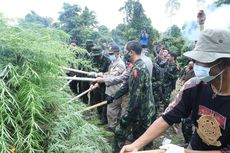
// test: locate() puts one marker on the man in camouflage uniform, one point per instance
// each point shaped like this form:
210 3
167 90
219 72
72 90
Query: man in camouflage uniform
78 87
98 95
170 76
140 111
157 75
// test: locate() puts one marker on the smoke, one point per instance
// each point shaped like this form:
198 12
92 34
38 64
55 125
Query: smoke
216 17
219 18
191 30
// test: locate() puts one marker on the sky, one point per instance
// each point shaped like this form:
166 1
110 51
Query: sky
107 11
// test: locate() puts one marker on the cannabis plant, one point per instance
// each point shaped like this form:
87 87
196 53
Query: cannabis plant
34 115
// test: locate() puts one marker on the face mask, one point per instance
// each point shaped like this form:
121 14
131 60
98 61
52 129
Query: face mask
203 73
112 58
127 57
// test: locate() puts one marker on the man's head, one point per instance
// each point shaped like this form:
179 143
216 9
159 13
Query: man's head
74 43
96 51
190 64
212 45
171 57
212 52
165 53
88 45
134 50
114 52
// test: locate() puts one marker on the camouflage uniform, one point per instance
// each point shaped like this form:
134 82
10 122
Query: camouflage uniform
140 111
170 76
78 87
98 95
157 76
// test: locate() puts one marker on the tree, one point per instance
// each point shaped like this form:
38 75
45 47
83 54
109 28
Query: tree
87 18
81 24
173 31
221 2
136 20
171 8
33 17
118 34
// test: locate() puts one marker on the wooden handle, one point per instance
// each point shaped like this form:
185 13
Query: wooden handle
149 151
94 106
75 70
79 79
66 84
92 87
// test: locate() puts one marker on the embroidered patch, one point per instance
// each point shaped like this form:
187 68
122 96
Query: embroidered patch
209 130
135 74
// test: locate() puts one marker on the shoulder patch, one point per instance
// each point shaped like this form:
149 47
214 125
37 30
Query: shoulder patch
135 73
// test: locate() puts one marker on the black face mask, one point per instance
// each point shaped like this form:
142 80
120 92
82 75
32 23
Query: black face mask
127 57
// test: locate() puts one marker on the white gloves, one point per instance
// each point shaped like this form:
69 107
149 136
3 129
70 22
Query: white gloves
92 74
171 148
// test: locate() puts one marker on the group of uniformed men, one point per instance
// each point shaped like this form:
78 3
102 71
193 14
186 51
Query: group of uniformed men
133 86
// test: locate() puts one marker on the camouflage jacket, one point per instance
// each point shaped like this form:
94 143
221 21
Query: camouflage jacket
170 74
141 106
101 62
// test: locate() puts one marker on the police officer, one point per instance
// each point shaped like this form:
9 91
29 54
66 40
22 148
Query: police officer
116 68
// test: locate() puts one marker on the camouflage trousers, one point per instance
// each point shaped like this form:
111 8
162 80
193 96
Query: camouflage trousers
157 94
166 96
123 130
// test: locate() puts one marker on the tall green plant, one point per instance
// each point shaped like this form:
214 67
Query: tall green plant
31 103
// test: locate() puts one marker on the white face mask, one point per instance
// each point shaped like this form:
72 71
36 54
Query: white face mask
203 72
112 58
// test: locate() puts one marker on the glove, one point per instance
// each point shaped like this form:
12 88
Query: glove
92 74
109 99
171 148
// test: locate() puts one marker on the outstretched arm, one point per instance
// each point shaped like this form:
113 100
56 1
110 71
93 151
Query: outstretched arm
156 129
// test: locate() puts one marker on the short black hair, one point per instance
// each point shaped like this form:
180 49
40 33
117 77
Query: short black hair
173 54
74 41
135 46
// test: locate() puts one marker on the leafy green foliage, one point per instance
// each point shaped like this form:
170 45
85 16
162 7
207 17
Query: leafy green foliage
33 17
65 137
80 24
32 107
136 21
172 6
222 2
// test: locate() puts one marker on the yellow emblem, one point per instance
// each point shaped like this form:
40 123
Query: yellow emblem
209 130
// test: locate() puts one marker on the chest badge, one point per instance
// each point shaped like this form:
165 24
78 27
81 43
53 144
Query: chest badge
209 130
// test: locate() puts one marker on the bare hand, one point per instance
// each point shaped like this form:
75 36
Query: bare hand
128 148
100 80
